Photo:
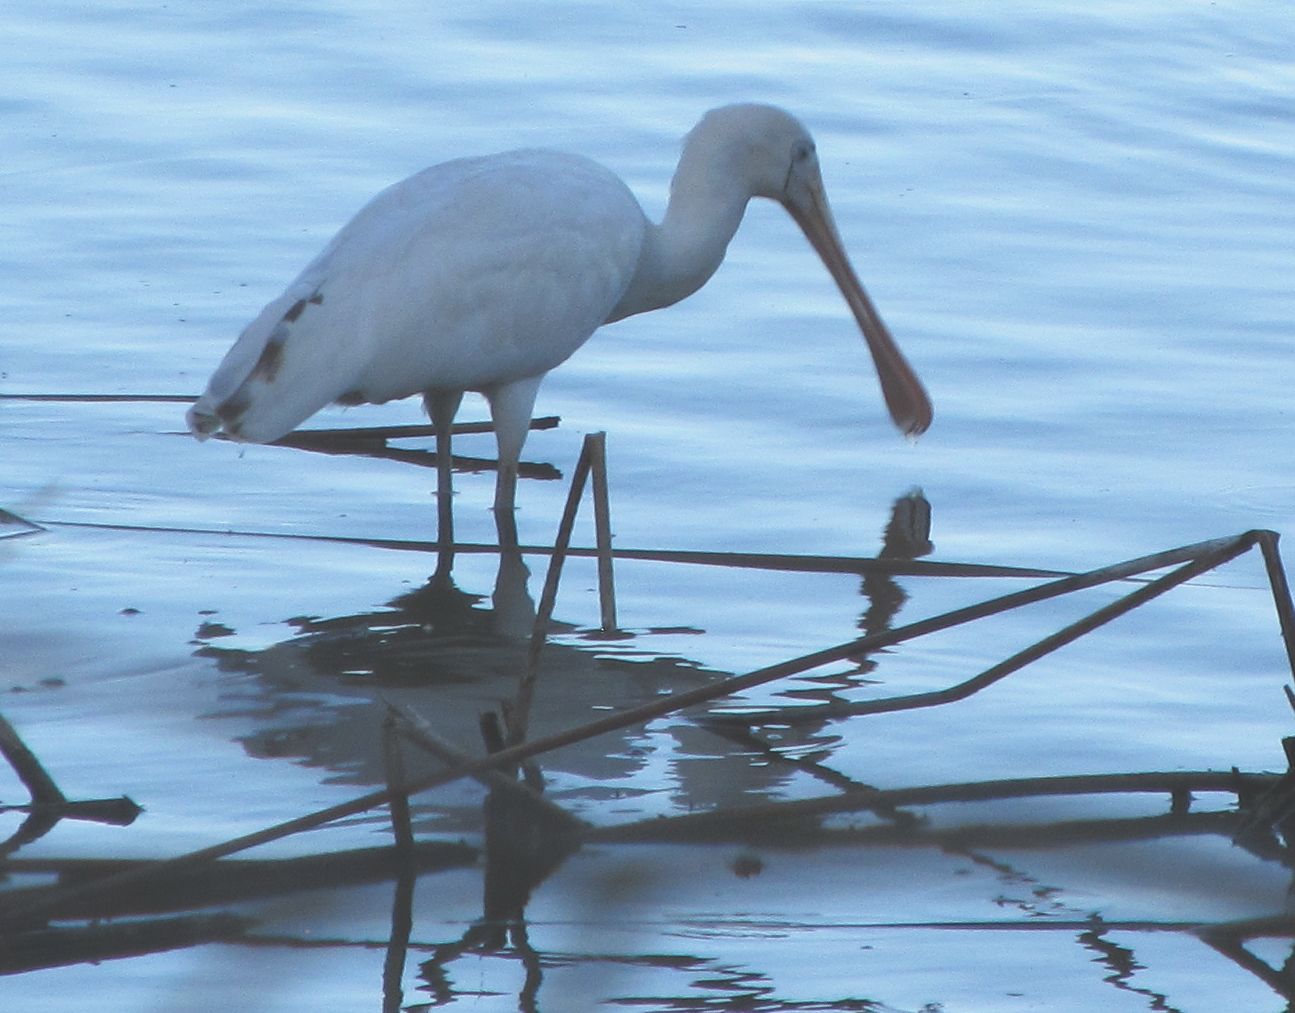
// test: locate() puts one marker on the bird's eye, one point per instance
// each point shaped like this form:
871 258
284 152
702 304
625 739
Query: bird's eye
801 153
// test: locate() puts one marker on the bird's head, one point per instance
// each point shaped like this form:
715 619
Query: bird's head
774 156
764 146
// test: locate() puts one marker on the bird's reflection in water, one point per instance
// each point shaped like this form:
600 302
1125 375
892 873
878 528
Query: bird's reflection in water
523 847
907 536
451 655
804 745
436 615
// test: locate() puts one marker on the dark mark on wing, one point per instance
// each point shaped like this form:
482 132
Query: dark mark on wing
231 410
299 307
267 366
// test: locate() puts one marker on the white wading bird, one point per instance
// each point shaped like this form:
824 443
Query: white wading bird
483 274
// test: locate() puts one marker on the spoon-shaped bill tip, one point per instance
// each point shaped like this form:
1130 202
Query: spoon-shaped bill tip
904 394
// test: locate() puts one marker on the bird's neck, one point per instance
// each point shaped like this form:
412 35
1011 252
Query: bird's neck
680 254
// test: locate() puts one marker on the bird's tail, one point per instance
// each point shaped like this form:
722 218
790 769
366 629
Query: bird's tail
274 377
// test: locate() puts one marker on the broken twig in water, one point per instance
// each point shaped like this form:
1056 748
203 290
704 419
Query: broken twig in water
104 398
597 446
859 565
381 434
393 765
592 459
1280 590
120 812
1208 560
95 943
1215 550
48 803
12 526
33 775
732 823
412 725
228 883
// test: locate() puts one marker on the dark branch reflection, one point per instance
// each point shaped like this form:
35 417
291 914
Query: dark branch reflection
453 654
455 658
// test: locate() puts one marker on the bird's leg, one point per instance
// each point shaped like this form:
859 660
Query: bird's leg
505 508
510 410
442 407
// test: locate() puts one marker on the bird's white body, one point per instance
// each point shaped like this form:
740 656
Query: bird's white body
483 274
470 275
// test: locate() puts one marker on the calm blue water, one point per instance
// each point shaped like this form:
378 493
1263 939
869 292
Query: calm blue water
1079 225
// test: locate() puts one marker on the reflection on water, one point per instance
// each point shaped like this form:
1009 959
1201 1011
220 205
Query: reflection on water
453 656
1079 223
907 536
352 693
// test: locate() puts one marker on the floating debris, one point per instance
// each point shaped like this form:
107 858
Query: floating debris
11 525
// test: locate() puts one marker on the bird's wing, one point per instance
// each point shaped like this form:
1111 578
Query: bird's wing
467 275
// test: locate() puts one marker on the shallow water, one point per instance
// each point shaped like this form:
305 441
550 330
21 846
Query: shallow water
1079 227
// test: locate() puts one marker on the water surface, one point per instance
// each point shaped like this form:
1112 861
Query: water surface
1077 223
